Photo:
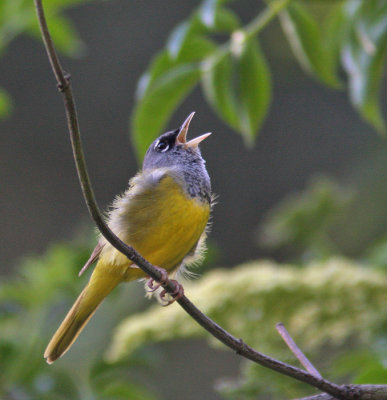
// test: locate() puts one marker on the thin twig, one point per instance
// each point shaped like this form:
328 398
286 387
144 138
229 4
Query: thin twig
225 337
50 48
296 350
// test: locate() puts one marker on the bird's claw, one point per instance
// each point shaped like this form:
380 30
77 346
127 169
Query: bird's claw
177 294
150 284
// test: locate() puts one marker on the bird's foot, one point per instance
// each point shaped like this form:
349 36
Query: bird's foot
177 294
150 284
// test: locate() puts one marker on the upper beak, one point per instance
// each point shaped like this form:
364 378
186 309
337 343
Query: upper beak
182 136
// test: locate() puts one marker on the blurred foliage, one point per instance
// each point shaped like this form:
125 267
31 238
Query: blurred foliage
19 17
257 382
331 308
303 222
212 47
327 307
5 103
377 254
320 304
30 306
359 366
363 54
330 218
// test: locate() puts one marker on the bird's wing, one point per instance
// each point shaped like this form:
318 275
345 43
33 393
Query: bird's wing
93 257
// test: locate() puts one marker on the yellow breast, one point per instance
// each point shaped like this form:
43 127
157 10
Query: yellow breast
160 221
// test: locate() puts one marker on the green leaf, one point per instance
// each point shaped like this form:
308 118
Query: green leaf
207 12
217 18
306 41
182 35
64 35
196 48
187 42
18 17
226 21
218 88
334 30
177 38
158 102
238 87
15 17
5 104
363 57
255 89
160 64
166 73
366 365
121 390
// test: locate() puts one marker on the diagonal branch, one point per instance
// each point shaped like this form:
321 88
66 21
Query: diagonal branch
63 81
296 350
365 392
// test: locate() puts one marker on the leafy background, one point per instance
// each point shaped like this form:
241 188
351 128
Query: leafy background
294 93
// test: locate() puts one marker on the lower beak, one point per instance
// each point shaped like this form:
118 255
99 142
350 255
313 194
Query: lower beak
194 143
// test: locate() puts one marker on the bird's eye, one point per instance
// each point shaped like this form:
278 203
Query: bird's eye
162 146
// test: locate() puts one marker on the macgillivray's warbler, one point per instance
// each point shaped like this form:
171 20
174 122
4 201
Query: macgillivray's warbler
163 215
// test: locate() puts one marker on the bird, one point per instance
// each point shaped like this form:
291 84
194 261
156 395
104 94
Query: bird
163 215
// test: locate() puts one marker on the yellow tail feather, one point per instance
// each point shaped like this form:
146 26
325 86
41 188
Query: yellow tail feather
80 313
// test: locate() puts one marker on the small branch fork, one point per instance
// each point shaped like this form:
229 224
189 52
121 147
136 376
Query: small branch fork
297 351
64 86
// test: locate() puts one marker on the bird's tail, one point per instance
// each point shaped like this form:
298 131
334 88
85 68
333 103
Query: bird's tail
83 309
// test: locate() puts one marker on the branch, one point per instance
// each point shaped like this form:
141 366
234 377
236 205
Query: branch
63 81
365 392
296 350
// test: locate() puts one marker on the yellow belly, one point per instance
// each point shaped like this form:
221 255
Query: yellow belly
162 223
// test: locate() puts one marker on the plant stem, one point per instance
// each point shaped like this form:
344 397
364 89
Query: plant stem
265 17
242 35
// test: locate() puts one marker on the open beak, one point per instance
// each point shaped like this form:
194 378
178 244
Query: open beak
182 136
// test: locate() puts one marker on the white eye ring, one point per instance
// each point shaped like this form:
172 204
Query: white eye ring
160 148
